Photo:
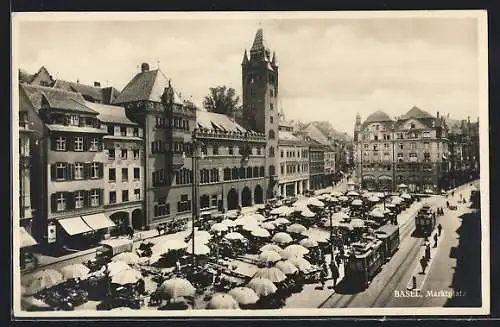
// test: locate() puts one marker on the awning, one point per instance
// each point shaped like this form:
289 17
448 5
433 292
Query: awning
98 221
26 238
74 226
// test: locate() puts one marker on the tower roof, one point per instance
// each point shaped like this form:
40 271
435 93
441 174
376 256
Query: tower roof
378 116
259 44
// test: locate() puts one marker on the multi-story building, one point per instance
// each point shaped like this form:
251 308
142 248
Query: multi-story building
232 163
329 158
168 124
25 136
260 103
411 150
293 172
123 166
68 161
463 150
316 164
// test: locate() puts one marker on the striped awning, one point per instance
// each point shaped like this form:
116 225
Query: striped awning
74 226
25 238
98 221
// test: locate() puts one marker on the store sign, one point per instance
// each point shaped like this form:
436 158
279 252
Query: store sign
51 233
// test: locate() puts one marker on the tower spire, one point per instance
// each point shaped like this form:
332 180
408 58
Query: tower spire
245 58
259 46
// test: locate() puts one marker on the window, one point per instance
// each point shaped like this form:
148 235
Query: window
112 197
401 146
78 143
137 194
271 134
230 150
161 207
234 173
375 147
112 174
413 146
282 169
426 135
184 204
79 170
214 200
94 144
135 154
252 91
271 106
94 170
111 154
375 137
427 157
137 173
74 120
261 171
412 125
271 92
61 172
124 174
61 144
271 152
400 157
227 174
123 154
281 154
271 119
158 122
135 131
125 196
204 201
215 150
94 198
259 151
61 202
386 145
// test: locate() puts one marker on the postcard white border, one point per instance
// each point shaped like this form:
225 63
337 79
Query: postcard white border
481 16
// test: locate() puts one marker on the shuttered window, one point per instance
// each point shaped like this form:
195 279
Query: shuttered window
94 198
79 171
61 202
78 197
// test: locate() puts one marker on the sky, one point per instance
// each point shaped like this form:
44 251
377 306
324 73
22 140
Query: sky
329 68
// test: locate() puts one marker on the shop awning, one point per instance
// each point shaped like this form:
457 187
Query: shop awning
74 226
26 238
98 221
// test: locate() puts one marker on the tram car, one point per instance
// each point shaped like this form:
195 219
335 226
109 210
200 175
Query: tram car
363 263
425 222
389 235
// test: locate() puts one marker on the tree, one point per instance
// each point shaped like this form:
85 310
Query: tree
222 100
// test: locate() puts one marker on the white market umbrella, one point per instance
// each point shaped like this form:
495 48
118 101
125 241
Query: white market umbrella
269 256
199 249
219 227
268 225
74 271
281 221
222 301
229 223
270 247
176 287
168 245
352 193
262 286
316 203
357 202
234 236
307 213
296 228
286 267
129 258
357 223
273 274
127 276
244 295
308 243
282 238
260 232
294 250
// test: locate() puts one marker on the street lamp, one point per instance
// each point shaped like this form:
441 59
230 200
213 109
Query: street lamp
195 147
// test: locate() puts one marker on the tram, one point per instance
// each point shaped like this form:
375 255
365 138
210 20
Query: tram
364 262
425 221
389 235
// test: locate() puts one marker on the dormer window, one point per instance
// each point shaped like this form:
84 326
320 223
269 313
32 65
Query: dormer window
412 125
74 120
94 144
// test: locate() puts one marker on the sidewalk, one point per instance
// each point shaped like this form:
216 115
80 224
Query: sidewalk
139 236
419 277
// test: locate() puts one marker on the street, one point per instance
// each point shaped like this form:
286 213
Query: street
448 273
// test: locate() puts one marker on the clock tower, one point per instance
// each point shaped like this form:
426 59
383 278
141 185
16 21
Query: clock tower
260 101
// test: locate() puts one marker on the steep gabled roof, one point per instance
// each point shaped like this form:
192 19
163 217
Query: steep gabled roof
87 91
259 43
110 114
146 86
416 113
314 133
56 98
217 122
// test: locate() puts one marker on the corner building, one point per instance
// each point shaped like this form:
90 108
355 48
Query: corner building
411 150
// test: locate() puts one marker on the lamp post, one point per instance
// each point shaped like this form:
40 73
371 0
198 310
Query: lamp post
195 147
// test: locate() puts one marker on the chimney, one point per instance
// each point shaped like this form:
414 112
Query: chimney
144 67
97 84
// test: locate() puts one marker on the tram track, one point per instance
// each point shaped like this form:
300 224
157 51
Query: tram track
345 300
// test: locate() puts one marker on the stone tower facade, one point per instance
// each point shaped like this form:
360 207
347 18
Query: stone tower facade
260 101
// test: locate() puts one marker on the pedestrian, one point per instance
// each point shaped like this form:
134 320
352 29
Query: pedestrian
423 264
335 274
440 228
158 229
426 241
338 259
141 287
428 252
322 277
435 240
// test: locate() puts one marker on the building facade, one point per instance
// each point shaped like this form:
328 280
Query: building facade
293 173
316 164
123 166
260 103
329 158
410 150
68 168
